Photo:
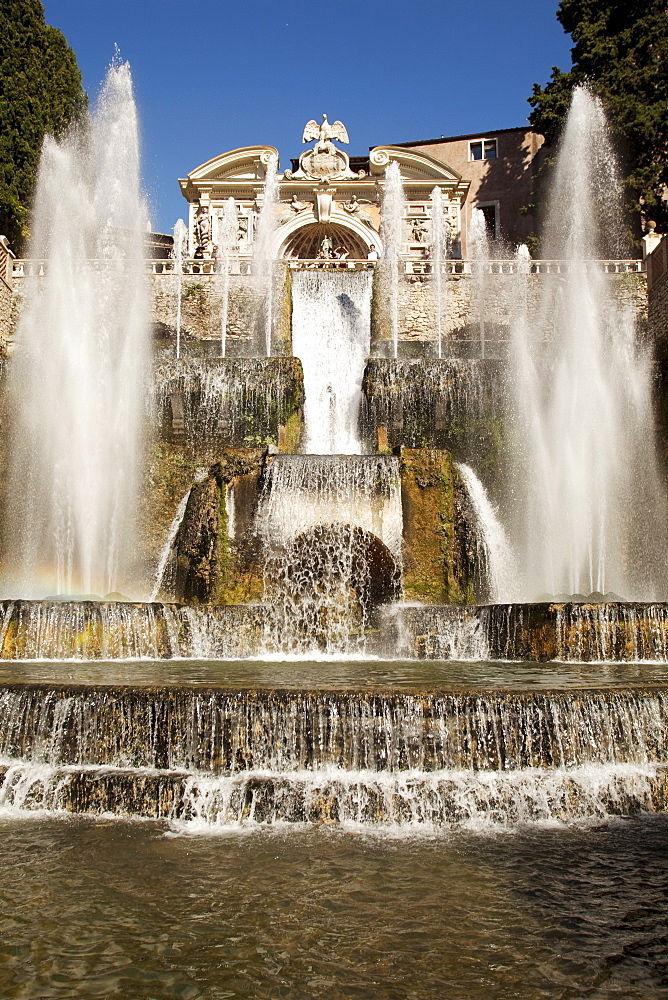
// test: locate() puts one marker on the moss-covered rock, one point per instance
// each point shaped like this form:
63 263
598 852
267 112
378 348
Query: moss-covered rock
208 564
439 554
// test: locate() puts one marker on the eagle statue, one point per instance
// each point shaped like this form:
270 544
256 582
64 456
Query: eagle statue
324 133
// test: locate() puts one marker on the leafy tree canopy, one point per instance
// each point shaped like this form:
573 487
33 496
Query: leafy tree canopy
621 51
40 92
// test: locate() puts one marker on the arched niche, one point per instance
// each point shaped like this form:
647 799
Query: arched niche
301 237
360 560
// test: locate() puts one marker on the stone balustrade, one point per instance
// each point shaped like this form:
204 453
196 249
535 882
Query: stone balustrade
23 268
512 266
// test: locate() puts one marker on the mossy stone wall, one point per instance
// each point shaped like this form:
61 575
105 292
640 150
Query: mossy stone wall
201 306
439 565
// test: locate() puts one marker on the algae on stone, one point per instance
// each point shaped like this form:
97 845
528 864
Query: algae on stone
439 562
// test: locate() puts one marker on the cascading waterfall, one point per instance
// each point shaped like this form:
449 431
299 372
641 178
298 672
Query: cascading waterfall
179 251
392 211
495 556
263 255
364 758
589 503
227 243
573 633
430 755
223 400
77 380
439 250
479 251
159 582
331 335
114 630
332 531
297 621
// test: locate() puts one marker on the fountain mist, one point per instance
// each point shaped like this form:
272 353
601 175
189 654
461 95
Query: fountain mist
227 242
77 381
480 256
263 253
392 220
439 247
178 253
590 505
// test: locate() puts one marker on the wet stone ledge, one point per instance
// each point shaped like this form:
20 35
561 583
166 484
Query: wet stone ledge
228 402
439 801
223 732
572 632
455 404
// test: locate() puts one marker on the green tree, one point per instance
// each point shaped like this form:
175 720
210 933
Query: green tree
621 52
40 93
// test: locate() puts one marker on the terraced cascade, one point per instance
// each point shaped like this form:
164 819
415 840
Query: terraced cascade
214 757
116 630
314 507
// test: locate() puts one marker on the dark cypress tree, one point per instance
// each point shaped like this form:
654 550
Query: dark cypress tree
621 52
40 93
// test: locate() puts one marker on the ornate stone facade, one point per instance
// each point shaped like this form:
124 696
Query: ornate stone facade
325 195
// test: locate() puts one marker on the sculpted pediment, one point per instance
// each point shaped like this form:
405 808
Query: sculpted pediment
413 165
246 164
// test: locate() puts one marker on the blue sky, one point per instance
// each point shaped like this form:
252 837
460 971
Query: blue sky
213 75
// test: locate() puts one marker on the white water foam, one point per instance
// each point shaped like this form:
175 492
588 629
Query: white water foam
392 211
77 379
331 336
263 257
495 556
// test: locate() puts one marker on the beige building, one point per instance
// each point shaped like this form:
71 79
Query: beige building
326 193
500 166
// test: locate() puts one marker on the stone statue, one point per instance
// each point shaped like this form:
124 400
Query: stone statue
202 227
354 207
297 206
242 230
325 162
324 133
326 246
418 230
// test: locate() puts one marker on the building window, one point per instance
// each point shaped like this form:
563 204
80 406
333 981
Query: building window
490 213
482 149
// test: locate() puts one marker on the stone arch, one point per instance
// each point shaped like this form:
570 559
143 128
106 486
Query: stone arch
302 236
362 562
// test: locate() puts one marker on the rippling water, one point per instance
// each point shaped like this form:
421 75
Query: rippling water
96 909
336 673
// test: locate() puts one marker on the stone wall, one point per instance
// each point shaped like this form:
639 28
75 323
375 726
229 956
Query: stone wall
201 306
6 302
461 298
464 299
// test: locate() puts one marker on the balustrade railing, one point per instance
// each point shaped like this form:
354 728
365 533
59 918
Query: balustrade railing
23 268
514 267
